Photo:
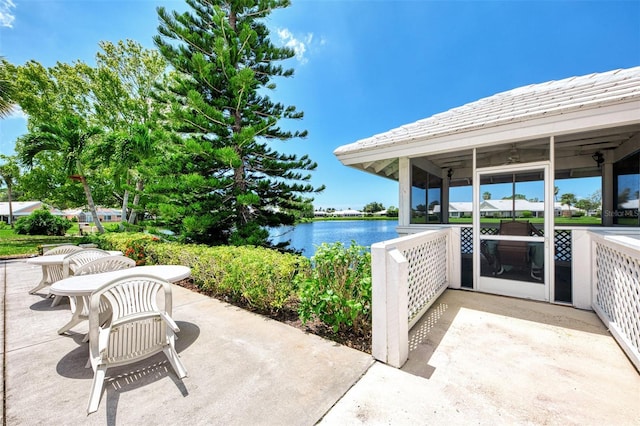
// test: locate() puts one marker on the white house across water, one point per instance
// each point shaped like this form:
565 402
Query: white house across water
525 141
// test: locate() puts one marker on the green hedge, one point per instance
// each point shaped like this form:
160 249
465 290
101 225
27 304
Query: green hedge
261 278
334 287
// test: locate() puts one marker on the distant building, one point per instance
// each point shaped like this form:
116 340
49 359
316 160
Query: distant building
460 209
105 215
348 213
24 208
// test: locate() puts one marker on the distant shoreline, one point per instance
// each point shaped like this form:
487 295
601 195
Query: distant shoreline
334 218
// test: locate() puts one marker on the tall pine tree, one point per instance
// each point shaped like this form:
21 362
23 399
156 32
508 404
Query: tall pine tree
223 182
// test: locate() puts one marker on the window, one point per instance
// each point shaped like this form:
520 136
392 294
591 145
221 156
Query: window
426 197
626 188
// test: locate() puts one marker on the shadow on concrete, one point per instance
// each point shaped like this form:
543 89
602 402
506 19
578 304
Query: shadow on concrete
425 336
128 377
73 364
45 304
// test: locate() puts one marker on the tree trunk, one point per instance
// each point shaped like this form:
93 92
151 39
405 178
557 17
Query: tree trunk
136 200
125 202
91 204
9 197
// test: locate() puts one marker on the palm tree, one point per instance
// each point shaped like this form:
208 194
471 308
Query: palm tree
127 151
6 91
9 171
569 199
70 138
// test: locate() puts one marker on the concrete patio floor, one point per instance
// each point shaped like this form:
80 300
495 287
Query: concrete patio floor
474 358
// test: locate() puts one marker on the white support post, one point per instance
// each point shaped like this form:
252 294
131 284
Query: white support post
444 204
397 310
581 271
404 200
608 210
454 258
379 302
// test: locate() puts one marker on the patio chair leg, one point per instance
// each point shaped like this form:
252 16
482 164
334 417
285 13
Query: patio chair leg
173 358
56 301
96 389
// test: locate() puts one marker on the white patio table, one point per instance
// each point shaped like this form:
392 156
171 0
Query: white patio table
82 286
52 267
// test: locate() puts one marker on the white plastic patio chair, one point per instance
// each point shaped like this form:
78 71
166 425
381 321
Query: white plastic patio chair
80 308
74 260
63 249
70 263
136 329
53 273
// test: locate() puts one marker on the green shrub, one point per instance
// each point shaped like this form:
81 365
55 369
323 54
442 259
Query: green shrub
262 278
527 214
133 244
42 222
338 290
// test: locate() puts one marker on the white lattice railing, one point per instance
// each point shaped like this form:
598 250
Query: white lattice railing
409 274
616 289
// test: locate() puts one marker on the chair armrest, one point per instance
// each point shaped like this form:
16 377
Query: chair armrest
170 322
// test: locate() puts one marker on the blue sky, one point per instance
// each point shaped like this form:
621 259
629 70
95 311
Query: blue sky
363 67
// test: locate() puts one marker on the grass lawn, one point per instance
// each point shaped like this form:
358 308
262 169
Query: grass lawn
12 244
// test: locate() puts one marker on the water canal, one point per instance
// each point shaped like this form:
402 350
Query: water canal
307 236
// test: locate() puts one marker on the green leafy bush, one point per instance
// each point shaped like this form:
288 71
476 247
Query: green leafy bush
338 290
131 244
260 278
42 222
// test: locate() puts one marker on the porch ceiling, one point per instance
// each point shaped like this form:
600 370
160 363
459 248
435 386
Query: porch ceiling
597 112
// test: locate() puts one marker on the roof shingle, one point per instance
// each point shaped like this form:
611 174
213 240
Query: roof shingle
520 104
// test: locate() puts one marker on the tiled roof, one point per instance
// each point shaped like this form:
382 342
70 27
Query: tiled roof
517 105
17 207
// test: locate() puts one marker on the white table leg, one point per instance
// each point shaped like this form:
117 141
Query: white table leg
43 282
76 317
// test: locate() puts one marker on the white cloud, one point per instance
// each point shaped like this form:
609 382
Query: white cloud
6 15
298 44
16 113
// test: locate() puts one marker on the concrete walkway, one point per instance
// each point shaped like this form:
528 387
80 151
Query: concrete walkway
245 369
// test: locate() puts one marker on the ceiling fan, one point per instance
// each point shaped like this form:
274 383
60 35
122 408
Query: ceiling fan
513 156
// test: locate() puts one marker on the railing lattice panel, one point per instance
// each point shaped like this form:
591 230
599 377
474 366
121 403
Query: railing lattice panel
618 290
427 272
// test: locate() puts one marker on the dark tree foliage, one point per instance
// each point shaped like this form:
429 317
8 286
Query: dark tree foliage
222 182
42 222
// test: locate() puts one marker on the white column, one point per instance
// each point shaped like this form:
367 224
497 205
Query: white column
397 309
379 302
581 269
444 198
404 200
454 258
390 324
608 209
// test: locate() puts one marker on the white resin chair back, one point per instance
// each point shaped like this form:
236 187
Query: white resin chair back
55 272
97 266
105 264
137 328
73 261
65 249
